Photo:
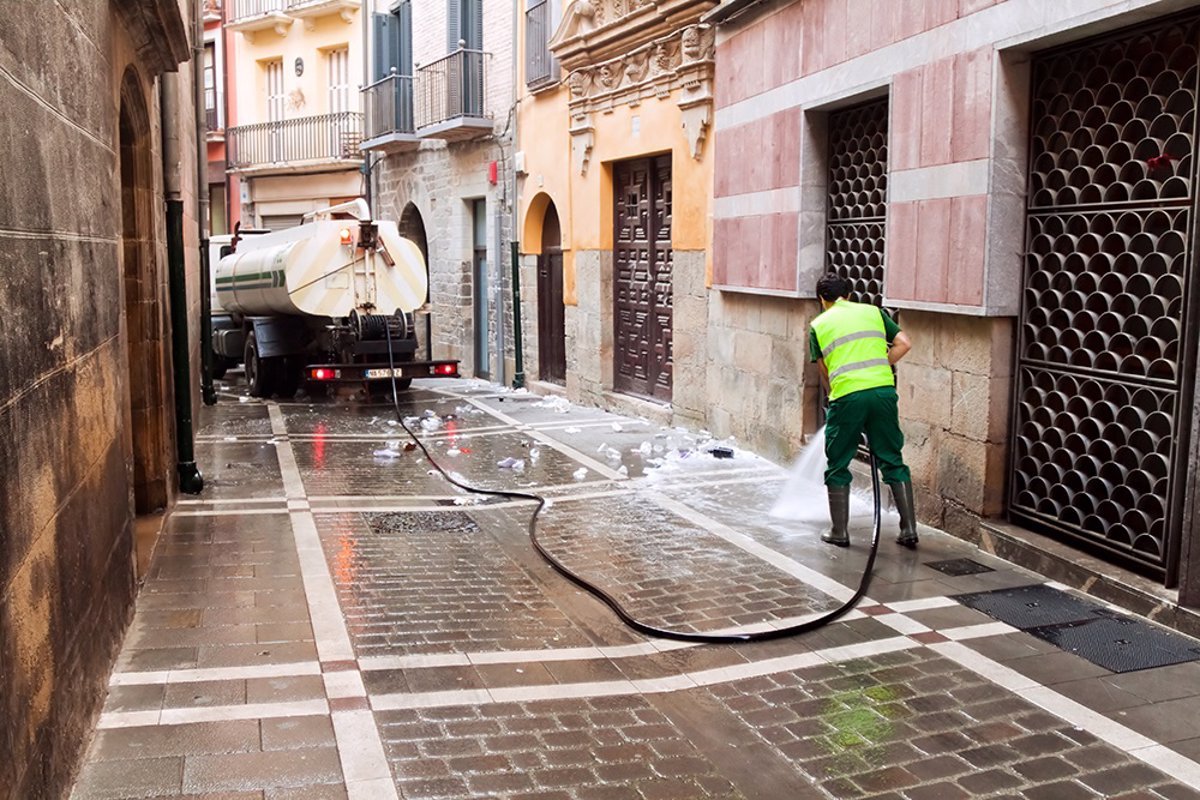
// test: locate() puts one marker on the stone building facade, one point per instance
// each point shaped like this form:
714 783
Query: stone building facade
87 429
616 179
1014 179
440 139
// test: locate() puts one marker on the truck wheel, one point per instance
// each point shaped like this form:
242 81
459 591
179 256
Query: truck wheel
259 371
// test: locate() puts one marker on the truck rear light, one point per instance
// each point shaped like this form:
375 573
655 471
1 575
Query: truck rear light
346 236
445 369
323 374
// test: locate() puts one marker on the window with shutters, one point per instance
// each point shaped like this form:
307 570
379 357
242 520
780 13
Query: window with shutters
541 20
388 99
273 72
464 25
337 63
212 113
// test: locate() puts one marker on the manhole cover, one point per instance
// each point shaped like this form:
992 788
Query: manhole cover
418 522
1120 644
1030 606
958 567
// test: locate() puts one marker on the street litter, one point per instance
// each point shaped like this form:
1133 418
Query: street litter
616 426
534 453
611 453
466 501
556 403
645 448
392 423
572 430
721 452
515 464
453 451
623 471
580 473
243 399
386 454
430 424
409 447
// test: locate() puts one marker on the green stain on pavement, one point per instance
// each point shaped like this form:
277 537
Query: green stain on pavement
860 718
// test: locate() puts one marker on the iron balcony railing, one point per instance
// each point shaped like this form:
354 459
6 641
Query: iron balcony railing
212 120
327 137
451 88
541 67
248 9
389 106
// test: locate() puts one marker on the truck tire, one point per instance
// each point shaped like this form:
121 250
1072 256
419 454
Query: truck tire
260 372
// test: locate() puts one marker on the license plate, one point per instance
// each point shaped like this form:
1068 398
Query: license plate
385 373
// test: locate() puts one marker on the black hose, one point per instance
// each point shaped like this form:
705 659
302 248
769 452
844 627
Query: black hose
607 599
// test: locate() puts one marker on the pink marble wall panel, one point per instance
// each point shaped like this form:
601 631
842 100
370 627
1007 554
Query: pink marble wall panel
968 237
972 115
782 43
885 23
939 12
760 155
835 34
900 273
858 27
757 252
740 66
904 145
812 57
933 250
780 249
912 18
937 90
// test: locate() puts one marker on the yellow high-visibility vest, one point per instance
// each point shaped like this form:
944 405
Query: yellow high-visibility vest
854 347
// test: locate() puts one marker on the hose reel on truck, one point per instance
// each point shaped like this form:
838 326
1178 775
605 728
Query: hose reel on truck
324 302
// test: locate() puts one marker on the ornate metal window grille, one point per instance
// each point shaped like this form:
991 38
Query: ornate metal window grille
857 208
1101 404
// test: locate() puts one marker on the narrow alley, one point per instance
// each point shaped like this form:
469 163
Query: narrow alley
330 620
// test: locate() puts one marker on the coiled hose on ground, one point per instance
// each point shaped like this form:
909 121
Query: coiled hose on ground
608 599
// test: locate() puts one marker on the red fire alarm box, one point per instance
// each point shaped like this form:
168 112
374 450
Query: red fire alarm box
492 173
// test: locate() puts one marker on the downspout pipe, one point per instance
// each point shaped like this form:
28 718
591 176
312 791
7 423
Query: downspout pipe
190 479
208 392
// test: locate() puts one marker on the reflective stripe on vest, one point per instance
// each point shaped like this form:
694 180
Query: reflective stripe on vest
854 346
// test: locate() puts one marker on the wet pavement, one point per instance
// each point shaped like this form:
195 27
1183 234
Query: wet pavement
330 620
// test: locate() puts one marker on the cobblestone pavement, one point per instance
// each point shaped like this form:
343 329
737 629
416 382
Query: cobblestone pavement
330 620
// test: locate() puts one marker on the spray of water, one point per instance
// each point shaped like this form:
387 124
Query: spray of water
803 495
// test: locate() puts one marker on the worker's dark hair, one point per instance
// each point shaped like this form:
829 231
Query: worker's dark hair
832 287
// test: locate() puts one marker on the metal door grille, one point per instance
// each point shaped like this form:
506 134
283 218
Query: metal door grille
1100 405
854 233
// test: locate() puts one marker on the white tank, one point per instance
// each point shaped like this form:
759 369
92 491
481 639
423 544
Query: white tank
308 271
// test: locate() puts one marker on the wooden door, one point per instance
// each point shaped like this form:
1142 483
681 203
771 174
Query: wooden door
642 262
552 330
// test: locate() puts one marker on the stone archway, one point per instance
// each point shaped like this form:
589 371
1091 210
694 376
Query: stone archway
144 325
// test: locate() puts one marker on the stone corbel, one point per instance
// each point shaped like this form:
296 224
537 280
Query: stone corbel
696 111
583 138
282 28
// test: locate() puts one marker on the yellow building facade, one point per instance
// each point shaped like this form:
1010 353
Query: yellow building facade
615 177
296 117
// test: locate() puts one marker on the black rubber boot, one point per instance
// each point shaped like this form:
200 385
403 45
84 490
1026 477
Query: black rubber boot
839 515
902 496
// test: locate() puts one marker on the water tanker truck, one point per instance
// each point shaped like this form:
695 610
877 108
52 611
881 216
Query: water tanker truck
330 301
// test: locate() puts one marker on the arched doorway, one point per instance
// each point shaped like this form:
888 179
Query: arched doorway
552 331
143 315
412 227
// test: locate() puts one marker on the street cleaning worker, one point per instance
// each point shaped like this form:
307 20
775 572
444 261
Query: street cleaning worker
856 345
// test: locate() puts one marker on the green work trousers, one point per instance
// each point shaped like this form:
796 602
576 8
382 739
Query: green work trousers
875 412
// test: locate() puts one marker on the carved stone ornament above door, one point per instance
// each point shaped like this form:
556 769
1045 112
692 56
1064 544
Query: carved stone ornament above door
593 31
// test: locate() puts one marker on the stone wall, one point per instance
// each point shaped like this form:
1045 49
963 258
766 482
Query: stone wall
441 180
66 477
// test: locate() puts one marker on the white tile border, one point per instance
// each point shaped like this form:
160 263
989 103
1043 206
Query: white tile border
196 675
360 750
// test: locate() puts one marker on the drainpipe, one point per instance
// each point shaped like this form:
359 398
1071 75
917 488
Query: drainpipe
207 391
190 479
515 202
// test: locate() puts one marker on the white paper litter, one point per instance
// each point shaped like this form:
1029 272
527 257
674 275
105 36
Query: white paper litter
515 464
453 451
556 403
580 473
572 430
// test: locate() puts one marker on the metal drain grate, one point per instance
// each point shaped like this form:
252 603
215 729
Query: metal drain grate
1120 644
1031 606
957 567
420 522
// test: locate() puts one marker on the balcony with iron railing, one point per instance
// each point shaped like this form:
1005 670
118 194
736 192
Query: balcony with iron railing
305 144
450 97
389 111
212 123
541 68
249 16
